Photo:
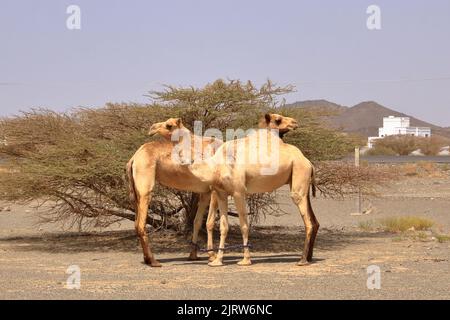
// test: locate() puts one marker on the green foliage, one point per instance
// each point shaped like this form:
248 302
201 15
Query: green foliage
74 159
317 141
222 104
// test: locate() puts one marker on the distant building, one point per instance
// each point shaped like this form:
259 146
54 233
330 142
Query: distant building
398 126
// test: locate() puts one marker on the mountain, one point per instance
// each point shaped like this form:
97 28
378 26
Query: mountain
319 105
364 118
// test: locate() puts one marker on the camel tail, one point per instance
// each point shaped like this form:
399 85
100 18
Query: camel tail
313 182
131 188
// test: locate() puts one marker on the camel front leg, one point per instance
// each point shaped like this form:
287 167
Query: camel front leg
239 200
203 202
210 226
223 208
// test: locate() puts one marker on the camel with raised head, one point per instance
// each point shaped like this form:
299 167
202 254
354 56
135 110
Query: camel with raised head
153 162
231 173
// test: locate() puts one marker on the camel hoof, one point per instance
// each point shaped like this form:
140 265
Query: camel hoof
193 256
216 263
156 264
245 262
303 263
152 262
212 257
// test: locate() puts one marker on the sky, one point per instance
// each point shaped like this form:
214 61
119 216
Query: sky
126 48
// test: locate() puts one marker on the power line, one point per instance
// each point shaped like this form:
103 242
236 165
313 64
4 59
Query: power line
345 82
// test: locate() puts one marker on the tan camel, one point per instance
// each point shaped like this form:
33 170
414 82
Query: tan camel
231 176
153 162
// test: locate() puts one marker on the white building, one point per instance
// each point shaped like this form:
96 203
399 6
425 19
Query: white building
398 126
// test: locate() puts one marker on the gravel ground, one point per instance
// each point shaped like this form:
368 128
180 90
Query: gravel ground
34 258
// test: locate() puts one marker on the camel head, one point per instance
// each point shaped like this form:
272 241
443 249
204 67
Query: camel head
276 121
166 128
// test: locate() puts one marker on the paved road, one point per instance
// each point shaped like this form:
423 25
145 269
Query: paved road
402 159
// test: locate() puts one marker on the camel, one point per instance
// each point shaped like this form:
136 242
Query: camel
153 162
231 176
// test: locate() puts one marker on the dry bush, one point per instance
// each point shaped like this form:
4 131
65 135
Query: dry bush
397 224
401 224
441 238
409 169
429 167
339 179
400 144
432 146
404 144
423 169
381 151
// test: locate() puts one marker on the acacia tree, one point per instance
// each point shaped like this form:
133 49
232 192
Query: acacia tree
223 105
74 162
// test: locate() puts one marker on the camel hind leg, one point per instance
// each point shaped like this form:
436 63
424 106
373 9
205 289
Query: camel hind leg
223 208
239 200
315 229
300 185
144 184
213 205
203 202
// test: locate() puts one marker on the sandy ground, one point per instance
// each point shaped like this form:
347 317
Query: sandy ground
34 258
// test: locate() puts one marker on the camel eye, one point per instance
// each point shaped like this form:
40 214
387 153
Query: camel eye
169 126
278 121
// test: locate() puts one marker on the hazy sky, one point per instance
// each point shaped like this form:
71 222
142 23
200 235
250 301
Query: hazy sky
126 48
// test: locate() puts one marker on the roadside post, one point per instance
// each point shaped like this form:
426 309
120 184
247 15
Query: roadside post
357 164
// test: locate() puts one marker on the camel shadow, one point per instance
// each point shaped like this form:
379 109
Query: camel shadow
273 239
232 260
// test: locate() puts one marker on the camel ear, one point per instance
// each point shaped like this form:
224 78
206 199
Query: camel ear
179 123
268 117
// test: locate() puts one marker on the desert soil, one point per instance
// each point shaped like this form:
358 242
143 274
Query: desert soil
34 258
